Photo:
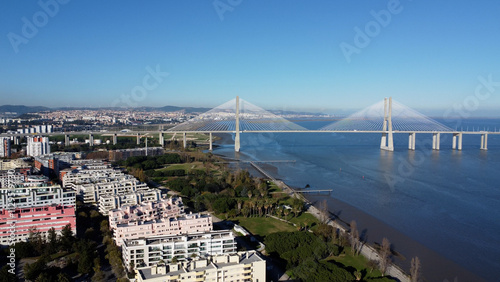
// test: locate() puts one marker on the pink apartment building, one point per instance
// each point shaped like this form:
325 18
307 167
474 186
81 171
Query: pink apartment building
186 224
146 211
15 224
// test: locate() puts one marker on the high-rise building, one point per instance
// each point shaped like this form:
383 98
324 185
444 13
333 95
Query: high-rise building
5 147
37 146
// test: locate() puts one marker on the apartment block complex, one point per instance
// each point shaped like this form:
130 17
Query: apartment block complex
147 252
185 224
150 210
110 202
242 266
20 221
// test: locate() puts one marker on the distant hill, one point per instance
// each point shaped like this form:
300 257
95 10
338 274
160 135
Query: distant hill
17 110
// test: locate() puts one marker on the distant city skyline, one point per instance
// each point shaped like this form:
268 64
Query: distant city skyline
318 56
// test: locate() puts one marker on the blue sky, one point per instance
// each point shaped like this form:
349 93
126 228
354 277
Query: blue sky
275 54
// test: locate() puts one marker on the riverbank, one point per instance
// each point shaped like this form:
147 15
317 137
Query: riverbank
435 267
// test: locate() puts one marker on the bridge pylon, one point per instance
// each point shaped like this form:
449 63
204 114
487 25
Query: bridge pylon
387 142
237 125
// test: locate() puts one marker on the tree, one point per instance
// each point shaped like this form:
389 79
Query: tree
67 238
52 241
5 275
354 237
98 274
385 253
415 269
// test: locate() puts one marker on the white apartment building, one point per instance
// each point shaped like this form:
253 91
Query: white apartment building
74 178
148 210
37 146
110 202
242 266
5 150
27 197
147 252
185 224
91 192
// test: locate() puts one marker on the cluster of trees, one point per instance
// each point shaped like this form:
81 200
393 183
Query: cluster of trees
233 194
303 253
38 246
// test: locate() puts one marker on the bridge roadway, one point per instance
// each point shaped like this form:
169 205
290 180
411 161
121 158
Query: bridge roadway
456 143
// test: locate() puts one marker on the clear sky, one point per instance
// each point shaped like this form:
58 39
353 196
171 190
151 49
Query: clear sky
276 54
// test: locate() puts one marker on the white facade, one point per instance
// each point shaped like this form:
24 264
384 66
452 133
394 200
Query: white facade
242 266
26 197
93 191
150 210
110 202
186 224
37 146
5 151
147 252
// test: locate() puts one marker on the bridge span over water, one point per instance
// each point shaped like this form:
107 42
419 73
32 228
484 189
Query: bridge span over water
240 117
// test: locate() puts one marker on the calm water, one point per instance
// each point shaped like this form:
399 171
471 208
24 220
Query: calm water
447 200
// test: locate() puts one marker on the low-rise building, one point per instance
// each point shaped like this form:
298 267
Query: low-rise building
147 252
242 266
185 224
15 224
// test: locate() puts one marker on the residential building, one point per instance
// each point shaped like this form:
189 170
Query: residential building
13 164
146 211
38 196
242 266
5 151
20 221
90 193
147 252
37 146
109 202
185 224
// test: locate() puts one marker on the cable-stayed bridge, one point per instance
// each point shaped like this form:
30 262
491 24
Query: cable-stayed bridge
238 116
386 118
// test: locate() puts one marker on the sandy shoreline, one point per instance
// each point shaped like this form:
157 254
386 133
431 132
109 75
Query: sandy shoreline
435 267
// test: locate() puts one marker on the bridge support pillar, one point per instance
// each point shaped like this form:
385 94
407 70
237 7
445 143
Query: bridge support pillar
91 140
66 140
17 140
436 140
387 142
184 140
115 139
138 138
411 141
484 141
162 140
460 141
237 136
457 141
210 142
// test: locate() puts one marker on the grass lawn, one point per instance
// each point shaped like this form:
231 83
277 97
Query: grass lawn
359 262
264 225
186 167
307 218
